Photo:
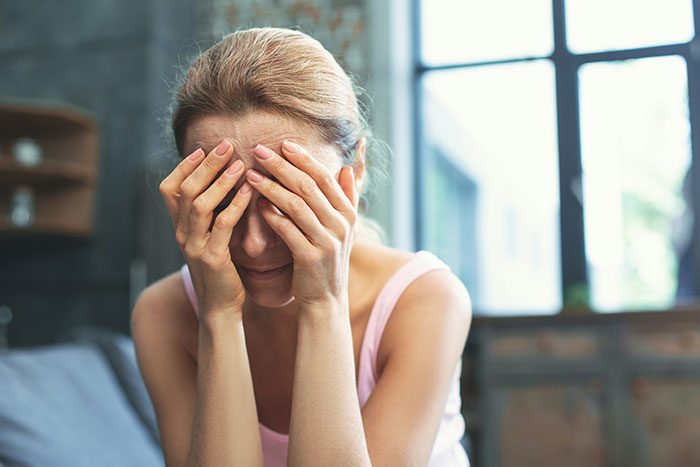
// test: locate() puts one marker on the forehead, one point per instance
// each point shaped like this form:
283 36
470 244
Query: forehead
253 128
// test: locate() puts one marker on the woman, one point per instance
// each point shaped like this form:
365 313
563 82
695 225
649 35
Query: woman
259 349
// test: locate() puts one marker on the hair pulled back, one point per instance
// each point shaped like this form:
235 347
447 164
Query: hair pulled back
284 71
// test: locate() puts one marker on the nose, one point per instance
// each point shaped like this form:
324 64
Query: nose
256 234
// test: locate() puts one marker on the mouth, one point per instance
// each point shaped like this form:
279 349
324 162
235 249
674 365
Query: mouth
266 275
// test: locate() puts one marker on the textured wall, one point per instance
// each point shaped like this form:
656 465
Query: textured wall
118 60
103 56
338 25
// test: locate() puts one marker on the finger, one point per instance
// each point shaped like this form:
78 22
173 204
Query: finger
170 186
204 205
227 219
325 180
292 205
198 181
284 227
300 183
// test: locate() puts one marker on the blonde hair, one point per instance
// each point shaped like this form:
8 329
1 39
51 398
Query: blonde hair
287 72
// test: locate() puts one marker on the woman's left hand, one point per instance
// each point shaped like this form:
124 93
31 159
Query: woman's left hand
315 215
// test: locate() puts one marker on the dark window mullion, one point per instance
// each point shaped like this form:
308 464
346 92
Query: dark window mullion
419 153
422 68
573 252
693 61
627 54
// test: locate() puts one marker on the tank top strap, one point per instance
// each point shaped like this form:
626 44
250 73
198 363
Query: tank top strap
422 262
189 287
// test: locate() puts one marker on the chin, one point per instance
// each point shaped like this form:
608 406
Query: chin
269 295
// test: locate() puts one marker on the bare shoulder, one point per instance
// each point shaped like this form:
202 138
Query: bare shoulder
166 302
435 304
161 327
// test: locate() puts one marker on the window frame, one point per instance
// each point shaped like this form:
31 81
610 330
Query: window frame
566 64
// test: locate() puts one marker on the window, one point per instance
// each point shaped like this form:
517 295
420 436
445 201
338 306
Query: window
555 142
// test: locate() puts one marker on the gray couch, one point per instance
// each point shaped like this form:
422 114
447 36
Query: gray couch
79 402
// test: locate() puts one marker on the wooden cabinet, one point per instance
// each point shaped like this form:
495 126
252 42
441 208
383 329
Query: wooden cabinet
48 169
665 421
602 390
567 428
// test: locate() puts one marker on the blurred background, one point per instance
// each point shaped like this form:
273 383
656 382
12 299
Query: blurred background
544 149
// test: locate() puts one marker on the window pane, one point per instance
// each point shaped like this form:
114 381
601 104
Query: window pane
460 31
635 143
491 183
597 25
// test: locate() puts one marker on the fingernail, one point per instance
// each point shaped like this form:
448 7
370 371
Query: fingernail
289 146
222 148
246 188
254 176
234 168
195 155
262 152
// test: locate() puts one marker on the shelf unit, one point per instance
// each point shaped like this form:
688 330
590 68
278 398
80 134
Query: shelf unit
63 183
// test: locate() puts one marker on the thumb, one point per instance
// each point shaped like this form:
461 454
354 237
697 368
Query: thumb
347 183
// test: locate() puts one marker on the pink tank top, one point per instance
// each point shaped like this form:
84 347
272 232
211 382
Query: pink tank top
447 450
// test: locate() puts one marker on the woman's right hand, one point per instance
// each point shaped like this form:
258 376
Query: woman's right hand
191 202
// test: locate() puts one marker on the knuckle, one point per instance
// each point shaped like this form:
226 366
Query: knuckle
209 260
335 245
327 179
188 189
286 227
224 220
239 204
222 183
296 206
211 163
180 238
307 185
278 164
164 187
314 258
199 206
190 251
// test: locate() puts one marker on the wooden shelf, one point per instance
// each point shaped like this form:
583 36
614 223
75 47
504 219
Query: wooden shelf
41 228
63 182
48 173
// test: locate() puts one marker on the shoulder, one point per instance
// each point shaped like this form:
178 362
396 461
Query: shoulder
423 341
164 305
435 306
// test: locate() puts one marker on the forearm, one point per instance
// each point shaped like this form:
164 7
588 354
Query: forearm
326 422
225 429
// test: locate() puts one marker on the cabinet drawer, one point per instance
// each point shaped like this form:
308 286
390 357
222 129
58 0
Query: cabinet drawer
546 342
665 340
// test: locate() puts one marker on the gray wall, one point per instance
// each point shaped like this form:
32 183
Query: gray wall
118 60
106 57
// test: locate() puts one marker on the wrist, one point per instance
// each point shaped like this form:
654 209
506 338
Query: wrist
324 310
212 320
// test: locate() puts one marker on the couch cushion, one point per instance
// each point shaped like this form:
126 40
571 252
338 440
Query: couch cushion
62 406
119 351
